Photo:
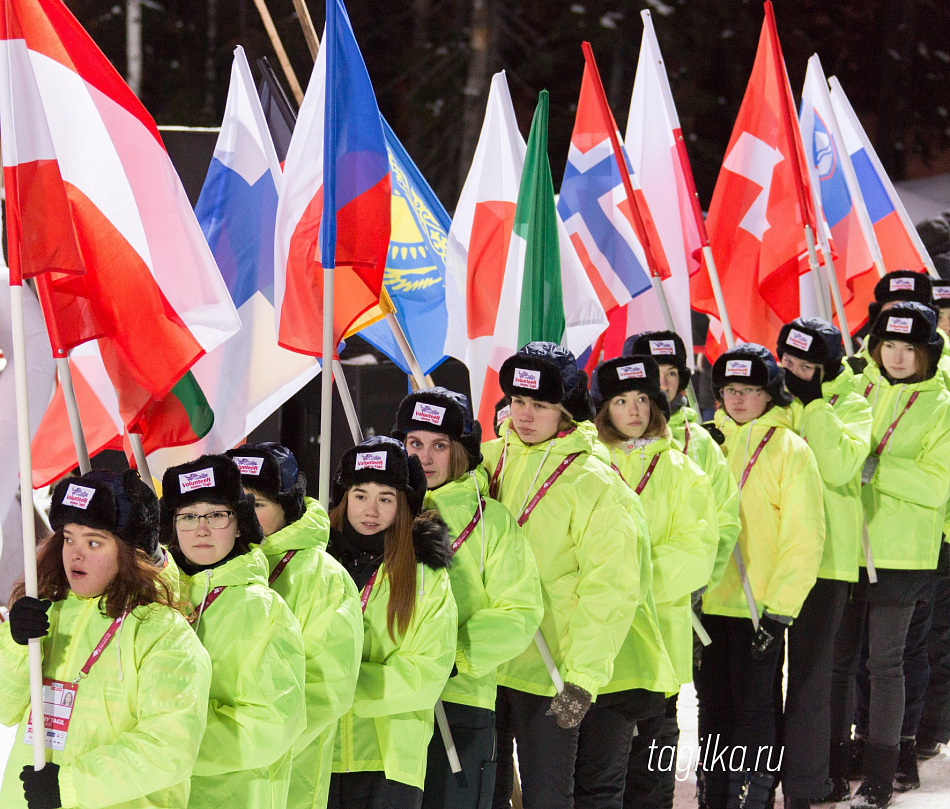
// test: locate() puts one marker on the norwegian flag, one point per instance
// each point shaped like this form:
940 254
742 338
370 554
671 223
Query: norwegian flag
760 208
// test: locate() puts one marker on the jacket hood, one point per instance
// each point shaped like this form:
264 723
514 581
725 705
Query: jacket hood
310 531
248 568
430 537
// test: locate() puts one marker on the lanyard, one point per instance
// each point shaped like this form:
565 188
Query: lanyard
562 466
686 442
755 457
467 530
101 646
279 567
210 599
890 430
647 475
367 589
493 483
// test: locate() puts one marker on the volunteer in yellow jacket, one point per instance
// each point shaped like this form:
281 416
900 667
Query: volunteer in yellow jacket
494 580
691 437
397 558
781 542
581 522
835 420
680 511
128 676
906 479
322 596
257 709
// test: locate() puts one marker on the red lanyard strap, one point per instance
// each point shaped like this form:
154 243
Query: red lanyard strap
647 475
890 430
686 442
561 467
755 456
467 530
493 483
279 567
101 646
833 399
210 599
367 589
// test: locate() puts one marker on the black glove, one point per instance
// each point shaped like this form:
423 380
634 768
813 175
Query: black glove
28 619
800 389
768 636
41 788
569 707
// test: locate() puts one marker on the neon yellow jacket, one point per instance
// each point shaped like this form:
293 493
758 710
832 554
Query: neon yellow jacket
390 724
133 738
496 587
585 540
905 502
783 518
705 452
325 601
257 708
839 435
681 515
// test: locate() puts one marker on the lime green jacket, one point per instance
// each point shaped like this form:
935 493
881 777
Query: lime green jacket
390 724
681 515
839 435
327 605
585 536
905 502
705 452
257 708
496 587
783 519
138 717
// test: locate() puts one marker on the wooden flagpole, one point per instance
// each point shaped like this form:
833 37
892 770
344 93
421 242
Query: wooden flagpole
279 50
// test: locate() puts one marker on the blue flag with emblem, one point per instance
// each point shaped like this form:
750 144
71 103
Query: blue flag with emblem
415 265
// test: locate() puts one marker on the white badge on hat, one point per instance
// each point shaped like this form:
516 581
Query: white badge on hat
663 347
371 460
202 479
901 284
739 368
941 292
635 371
799 340
249 465
428 413
529 380
900 325
503 414
78 496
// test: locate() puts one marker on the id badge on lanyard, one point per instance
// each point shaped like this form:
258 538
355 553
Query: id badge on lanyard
59 697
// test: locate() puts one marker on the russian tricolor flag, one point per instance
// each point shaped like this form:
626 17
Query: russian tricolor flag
338 152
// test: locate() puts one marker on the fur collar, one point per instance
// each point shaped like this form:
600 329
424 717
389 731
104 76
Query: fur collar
430 536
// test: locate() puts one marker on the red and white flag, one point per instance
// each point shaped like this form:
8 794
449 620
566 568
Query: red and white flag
95 205
759 208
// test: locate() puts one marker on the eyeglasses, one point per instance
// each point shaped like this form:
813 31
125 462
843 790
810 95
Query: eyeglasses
215 519
741 393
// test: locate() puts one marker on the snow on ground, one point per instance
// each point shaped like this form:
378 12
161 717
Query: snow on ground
934 774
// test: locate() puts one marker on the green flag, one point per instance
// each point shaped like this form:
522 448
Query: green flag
541 315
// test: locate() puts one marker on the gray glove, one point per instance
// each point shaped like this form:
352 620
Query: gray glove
870 467
569 707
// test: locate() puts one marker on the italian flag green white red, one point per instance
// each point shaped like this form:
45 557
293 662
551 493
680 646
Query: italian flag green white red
512 274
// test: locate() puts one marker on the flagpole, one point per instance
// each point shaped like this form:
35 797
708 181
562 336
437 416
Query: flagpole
30 585
641 230
72 410
309 32
344 390
141 461
279 50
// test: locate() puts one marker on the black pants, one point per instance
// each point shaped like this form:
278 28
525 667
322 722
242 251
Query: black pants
806 725
371 790
916 670
645 765
546 753
882 611
473 731
736 707
935 721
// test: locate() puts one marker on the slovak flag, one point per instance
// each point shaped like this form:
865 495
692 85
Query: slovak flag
91 190
900 246
338 151
594 207
759 208
829 166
